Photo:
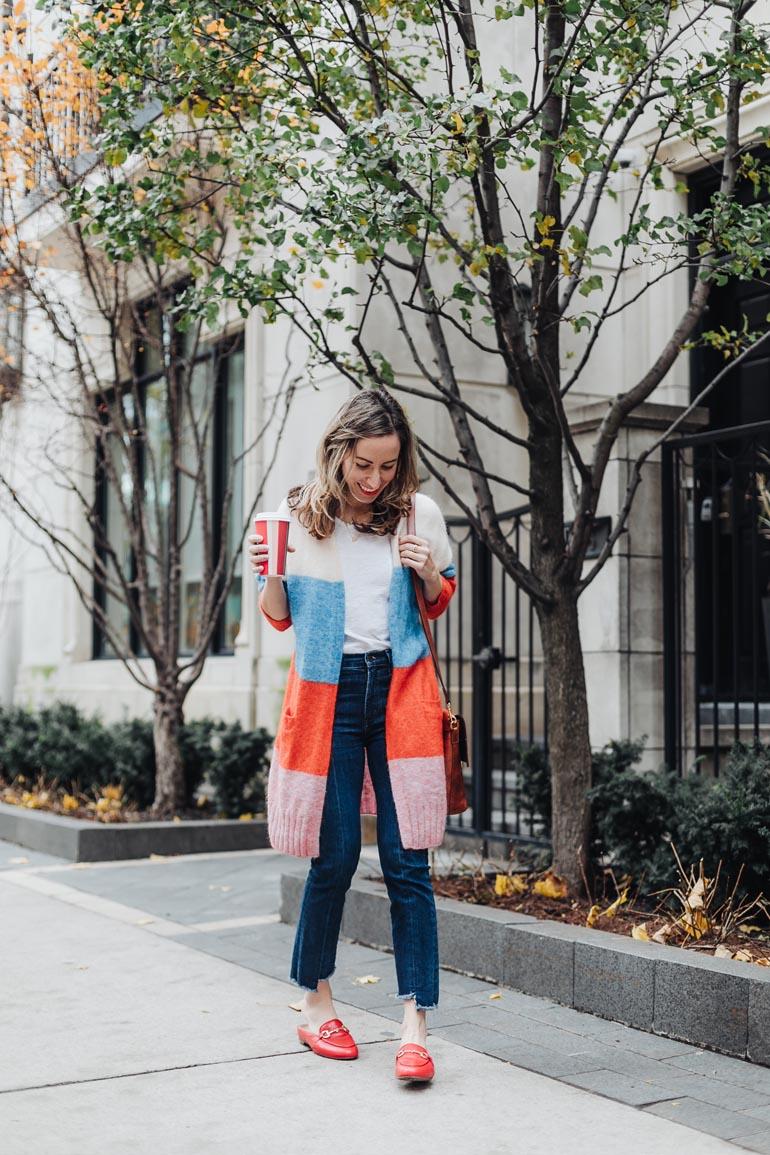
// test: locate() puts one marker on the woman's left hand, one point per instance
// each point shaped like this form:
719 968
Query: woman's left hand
415 554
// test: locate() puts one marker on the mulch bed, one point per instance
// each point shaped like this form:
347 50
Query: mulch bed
479 889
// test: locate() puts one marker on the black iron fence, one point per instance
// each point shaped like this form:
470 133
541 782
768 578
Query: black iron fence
489 644
716 595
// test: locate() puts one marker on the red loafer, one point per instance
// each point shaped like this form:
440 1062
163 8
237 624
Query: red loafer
333 1041
413 1062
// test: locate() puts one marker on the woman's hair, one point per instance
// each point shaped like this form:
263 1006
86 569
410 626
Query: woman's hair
370 413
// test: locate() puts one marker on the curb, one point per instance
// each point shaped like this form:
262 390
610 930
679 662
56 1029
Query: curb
714 1003
81 841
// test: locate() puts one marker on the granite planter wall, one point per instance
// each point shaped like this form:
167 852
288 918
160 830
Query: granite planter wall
81 841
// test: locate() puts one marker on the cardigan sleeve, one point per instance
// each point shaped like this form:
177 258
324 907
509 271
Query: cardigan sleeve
276 623
429 523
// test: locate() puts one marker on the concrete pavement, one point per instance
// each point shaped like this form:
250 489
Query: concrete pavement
144 1009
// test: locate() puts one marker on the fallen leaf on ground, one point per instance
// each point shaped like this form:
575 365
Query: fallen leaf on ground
144 921
640 933
723 952
662 934
18 861
551 886
612 909
510 884
496 995
745 927
158 857
365 980
695 923
695 897
593 914
214 886
742 956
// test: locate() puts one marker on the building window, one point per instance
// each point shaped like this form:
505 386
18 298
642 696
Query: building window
209 476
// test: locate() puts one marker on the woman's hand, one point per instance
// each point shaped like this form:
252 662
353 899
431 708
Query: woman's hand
415 554
258 551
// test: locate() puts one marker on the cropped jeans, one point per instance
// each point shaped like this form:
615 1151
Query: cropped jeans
359 728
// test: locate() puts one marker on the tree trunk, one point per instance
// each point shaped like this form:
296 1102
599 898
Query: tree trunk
568 738
170 794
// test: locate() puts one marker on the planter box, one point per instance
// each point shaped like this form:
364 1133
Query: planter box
83 841
707 1002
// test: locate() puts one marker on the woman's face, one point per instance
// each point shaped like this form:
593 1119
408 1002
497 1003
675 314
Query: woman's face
370 466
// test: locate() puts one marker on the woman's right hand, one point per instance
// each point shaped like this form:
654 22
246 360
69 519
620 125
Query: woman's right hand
258 551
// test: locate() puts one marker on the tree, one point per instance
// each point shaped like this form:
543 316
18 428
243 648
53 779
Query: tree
125 392
379 155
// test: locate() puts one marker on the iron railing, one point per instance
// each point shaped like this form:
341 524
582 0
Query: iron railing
489 644
716 594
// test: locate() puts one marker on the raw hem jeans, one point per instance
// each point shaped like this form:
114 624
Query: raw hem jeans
359 728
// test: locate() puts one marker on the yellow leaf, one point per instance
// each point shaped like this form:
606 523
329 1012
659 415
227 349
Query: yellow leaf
612 909
510 884
662 934
458 121
545 225
640 933
245 817
504 884
19 8
749 928
317 284
366 980
695 897
695 924
742 956
496 995
551 886
593 914
575 157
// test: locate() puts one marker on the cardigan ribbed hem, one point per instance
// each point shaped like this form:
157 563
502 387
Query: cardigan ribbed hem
419 792
291 834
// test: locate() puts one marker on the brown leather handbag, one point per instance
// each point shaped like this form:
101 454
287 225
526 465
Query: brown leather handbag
455 735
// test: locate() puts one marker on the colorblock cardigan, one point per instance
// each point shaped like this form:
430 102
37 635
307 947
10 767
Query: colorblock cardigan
413 718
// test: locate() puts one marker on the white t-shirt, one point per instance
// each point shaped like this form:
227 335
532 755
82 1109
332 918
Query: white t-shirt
367 568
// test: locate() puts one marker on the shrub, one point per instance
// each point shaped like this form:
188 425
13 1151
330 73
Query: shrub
84 753
58 742
238 769
637 816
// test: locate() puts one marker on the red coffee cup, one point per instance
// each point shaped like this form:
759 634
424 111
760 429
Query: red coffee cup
274 531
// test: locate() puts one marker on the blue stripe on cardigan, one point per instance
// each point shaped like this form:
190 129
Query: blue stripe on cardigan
407 637
317 609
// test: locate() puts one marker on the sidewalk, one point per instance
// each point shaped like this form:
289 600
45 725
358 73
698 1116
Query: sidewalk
145 1010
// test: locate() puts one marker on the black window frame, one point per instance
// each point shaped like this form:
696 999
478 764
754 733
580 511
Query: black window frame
232 343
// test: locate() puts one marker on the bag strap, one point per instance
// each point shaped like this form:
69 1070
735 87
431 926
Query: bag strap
419 593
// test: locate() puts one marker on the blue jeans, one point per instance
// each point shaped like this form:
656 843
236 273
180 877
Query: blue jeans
359 726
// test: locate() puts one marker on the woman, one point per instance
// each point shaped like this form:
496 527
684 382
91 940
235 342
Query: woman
361 726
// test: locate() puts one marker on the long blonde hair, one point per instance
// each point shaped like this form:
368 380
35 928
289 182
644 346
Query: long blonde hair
370 413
